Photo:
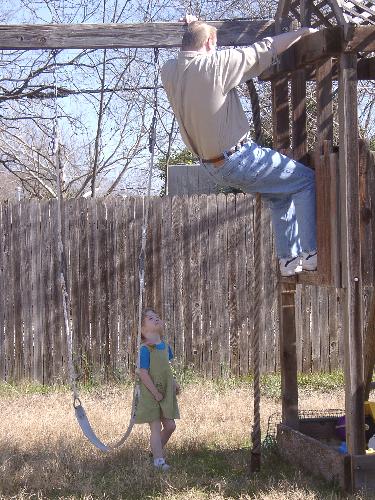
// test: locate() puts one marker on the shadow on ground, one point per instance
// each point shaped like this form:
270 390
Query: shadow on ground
66 470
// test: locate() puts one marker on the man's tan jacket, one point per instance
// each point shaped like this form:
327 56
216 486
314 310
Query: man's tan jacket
201 90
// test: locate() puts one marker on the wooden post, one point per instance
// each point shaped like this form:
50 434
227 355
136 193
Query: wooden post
351 254
280 115
299 133
286 295
288 354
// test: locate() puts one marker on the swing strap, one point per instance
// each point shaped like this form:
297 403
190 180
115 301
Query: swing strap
80 413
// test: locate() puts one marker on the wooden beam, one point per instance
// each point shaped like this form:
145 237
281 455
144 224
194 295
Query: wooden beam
311 49
280 114
144 35
324 101
288 354
299 133
369 348
351 254
314 47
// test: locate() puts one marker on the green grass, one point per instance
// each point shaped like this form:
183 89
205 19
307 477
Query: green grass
270 384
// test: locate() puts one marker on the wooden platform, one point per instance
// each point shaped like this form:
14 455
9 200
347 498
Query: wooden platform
304 278
308 449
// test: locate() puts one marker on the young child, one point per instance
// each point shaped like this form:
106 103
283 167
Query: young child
157 403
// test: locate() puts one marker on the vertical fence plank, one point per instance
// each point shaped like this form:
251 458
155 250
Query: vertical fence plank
16 262
112 282
57 327
156 223
8 302
178 342
222 275
186 282
84 286
72 250
205 288
122 288
103 284
315 340
25 265
323 330
166 267
3 332
94 287
245 276
194 223
232 235
214 284
37 283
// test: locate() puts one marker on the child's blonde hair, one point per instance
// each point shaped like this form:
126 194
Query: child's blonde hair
145 311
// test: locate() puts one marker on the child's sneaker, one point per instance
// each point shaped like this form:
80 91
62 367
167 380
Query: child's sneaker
160 464
309 260
290 266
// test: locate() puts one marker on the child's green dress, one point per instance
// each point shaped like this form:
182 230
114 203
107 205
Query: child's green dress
161 374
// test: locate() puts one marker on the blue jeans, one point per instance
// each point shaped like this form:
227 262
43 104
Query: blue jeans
287 186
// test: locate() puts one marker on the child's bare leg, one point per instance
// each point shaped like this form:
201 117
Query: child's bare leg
169 427
155 439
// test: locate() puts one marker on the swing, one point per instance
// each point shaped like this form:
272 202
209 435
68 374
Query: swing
79 410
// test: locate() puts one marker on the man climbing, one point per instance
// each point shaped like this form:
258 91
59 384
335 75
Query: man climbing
201 88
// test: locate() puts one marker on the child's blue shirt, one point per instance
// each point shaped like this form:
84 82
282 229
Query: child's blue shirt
144 361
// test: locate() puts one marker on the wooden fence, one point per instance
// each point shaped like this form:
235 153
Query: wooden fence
199 275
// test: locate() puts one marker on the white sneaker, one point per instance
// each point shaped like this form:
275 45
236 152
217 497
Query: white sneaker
164 467
160 464
309 260
290 266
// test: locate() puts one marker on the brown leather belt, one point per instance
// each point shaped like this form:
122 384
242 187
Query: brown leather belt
222 157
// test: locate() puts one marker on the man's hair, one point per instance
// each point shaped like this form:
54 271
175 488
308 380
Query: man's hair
196 35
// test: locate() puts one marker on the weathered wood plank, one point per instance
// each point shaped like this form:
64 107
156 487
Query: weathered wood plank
177 277
8 301
299 132
166 249
245 279
143 35
112 286
351 253
214 285
323 209
186 280
57 327
37 304
205 289
17 297
222 286
93 365
232 234
313 455
3 332
194 221
122 290
26 289
310 49
328 42
324 100
84 285
288 359
280 114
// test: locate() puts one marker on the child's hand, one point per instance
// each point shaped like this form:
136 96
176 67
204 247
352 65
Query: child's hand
158 396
